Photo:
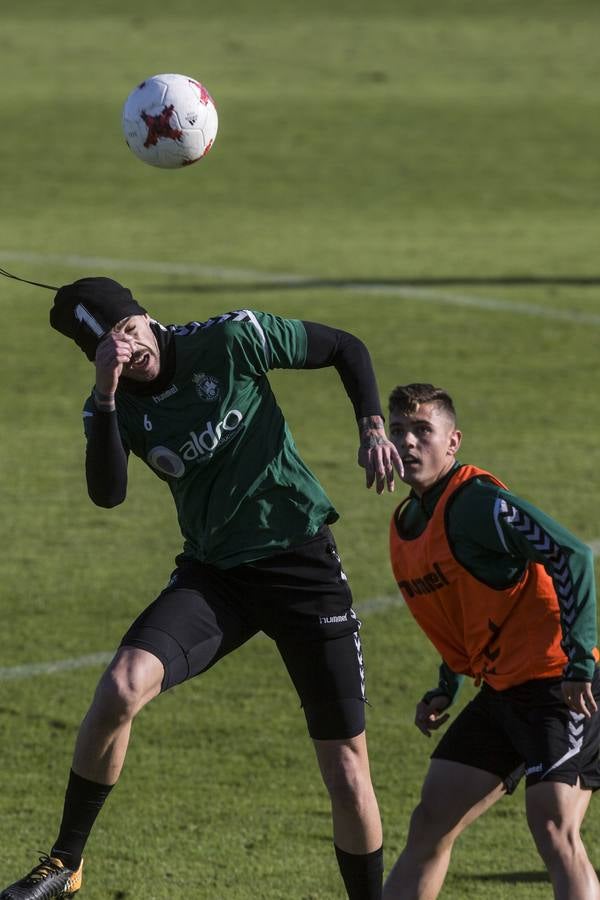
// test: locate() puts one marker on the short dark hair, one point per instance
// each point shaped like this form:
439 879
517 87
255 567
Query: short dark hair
406 399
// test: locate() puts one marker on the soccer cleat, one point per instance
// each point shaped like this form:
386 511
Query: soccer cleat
50 878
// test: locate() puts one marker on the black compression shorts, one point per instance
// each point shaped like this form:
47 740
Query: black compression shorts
300 598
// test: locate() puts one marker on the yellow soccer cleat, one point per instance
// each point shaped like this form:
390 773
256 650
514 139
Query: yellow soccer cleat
49 879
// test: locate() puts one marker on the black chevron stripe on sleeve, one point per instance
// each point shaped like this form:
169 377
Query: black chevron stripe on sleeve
570 566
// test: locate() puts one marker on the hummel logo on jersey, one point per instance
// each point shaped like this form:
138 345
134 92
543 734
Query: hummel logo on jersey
158 398
427 584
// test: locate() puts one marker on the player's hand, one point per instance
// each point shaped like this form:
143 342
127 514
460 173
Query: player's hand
430 716
114 351
579 697
378 456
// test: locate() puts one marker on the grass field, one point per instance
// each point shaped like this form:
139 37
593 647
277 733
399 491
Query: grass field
422 174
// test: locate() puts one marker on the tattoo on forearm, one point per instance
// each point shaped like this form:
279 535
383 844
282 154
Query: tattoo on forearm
370 422
372 432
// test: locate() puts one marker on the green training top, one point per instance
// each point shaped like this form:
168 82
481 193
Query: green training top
218 438
494 535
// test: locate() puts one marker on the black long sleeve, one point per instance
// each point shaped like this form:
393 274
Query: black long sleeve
328 346
105 460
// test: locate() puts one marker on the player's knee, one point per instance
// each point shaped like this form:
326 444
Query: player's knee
555 837
347 779
428 832
128 683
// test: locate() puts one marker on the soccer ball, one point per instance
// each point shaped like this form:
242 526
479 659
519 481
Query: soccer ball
170 121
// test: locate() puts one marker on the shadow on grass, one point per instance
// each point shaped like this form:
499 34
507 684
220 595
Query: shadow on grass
292 282
507 877
510 877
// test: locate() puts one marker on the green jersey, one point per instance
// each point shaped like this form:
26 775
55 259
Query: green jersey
217 436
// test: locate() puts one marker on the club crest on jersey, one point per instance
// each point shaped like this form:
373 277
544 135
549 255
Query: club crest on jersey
207 386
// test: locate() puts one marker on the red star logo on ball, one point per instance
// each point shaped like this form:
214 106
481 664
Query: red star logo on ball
160 127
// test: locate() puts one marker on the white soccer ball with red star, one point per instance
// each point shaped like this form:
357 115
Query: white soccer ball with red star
170 121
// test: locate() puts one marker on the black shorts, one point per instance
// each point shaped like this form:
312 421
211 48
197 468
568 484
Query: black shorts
527 726
300 598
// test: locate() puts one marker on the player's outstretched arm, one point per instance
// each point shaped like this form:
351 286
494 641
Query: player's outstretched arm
328 346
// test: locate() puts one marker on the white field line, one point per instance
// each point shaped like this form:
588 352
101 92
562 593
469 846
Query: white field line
139 265
62 665
363 609
29 670
427 295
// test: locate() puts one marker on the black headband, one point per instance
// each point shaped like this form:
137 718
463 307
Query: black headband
87 309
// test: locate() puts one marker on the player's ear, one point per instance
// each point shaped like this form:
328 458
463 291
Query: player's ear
454 442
